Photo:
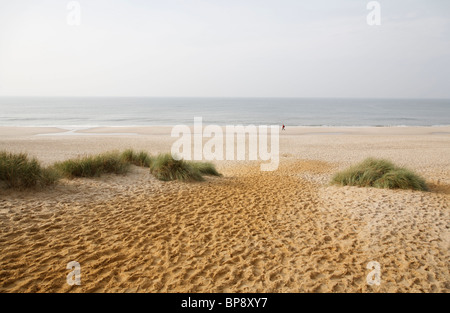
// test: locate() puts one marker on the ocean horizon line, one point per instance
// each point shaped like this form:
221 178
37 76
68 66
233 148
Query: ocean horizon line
85 127
308 112
231 97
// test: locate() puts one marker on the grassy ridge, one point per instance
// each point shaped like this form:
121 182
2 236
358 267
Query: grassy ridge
380 174
165 167
20 171
140 158
93 166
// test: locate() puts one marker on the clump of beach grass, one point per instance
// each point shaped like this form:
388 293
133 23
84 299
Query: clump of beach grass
20 171
205 168
165 167
379 173
140 158
94 165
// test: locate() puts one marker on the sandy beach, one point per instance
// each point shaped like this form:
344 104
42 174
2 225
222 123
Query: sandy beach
249 231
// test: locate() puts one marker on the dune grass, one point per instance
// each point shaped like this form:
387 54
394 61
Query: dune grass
20 171
379 173
165 167
140 158
205 168
94 165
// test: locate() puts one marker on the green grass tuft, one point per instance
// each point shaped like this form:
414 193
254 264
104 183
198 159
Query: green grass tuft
20 171
93 166
49 176
380 174
17 170
140 158
401 179
205 168
165 167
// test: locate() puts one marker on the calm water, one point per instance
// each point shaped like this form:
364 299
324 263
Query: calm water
88 112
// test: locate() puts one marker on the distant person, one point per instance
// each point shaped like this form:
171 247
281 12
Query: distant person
283 128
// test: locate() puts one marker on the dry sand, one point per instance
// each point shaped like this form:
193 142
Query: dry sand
249 231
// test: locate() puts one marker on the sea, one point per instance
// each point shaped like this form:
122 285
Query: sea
85 112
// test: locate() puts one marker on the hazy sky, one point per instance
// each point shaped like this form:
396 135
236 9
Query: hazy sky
229 48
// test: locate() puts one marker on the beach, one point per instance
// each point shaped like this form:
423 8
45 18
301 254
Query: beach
287 230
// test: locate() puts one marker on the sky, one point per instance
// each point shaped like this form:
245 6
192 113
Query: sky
225 48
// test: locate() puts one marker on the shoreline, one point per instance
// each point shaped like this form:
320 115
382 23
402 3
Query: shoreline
20 131
424 149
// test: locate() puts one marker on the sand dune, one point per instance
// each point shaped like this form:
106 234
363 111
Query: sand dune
249 231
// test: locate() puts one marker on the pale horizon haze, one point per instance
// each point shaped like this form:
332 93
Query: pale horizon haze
193 48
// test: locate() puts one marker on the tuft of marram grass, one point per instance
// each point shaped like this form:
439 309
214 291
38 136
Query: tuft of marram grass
165 167
140 158
49 176
93 166
205 168
379 173
401 178
20 171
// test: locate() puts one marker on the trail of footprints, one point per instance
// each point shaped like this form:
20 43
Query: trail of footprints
247 232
